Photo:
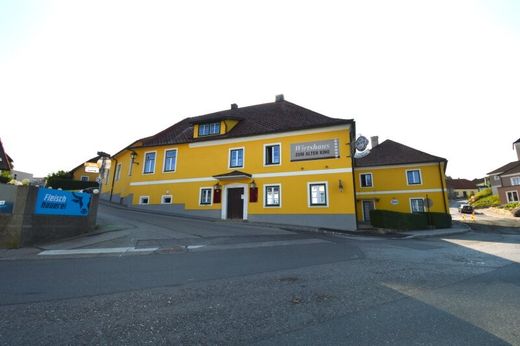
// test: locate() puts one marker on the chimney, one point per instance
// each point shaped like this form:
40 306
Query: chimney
374 140
517 148
279 98
234 106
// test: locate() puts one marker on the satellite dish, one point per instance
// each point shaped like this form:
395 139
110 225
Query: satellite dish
359 155
361 143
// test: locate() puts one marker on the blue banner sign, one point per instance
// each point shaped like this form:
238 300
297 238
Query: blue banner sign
57 202
6 207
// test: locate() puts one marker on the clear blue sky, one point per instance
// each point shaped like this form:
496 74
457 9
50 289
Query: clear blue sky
77 77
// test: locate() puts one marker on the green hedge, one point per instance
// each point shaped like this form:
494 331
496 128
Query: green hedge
68 184
407 221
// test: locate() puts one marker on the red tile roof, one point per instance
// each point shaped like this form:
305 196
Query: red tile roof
461 184
280 116
393 153
5 160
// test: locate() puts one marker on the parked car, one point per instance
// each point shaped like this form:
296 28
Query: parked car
465 209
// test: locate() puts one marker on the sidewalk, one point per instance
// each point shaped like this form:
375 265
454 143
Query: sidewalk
457 228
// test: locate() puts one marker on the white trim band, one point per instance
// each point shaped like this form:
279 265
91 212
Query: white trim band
409 165
300 173
397 192
95 251
259 175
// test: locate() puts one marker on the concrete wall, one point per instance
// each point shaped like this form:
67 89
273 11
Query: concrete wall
7 193
23 228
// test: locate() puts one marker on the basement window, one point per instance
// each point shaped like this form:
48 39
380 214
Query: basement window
144 199
166 199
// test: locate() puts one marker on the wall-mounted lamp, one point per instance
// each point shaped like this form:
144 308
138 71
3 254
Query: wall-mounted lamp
252 185
133 156
340 186
217 186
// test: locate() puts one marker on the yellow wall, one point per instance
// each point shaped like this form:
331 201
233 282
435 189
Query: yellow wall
79 172
390 183
206 161
460 192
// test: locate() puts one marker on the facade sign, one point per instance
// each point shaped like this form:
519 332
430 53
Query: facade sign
57 202
6 207
315 150
91 169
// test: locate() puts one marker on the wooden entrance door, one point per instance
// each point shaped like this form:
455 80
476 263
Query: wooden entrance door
367 207
235 203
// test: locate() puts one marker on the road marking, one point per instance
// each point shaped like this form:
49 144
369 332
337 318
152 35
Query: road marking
260 244
95 251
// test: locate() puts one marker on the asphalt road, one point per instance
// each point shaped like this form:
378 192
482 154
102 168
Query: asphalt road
263 285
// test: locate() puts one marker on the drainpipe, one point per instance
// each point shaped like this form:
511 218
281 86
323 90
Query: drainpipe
352 164
113 180
442 188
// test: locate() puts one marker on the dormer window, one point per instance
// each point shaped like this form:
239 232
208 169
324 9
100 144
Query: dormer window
209 129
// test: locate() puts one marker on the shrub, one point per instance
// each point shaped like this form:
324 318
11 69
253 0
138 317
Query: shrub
5 177
486 202
406 221
511 206
68 184
482 194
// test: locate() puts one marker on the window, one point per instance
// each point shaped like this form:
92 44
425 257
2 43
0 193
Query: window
170 160
166 199
205 196
512 196
317 194
366 179
149 163
414 177
118 172
496 178
209 129
144 199
84 178
272 196
236 158
515 181
417 205
272 154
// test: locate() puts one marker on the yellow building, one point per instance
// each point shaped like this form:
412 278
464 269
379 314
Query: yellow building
399 178
275 162
84 173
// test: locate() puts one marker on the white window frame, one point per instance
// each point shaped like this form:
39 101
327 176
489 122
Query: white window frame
243 157
154 162
176 159
411 205
265 186
210 196
166 196
420 177
84 176
361 180
513 179
309 194
209 129
118 172
265 156
517 196
141 200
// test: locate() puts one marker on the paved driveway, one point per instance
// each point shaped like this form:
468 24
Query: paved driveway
124 230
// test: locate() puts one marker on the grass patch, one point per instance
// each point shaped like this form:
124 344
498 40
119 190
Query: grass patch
486 202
